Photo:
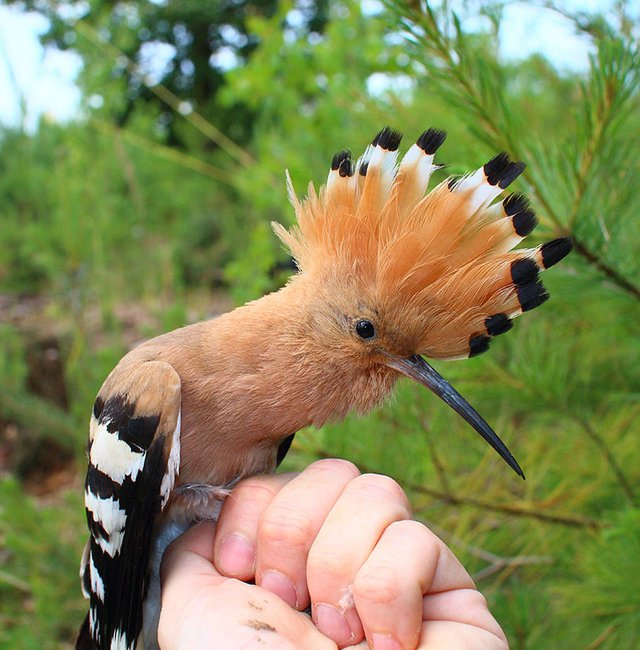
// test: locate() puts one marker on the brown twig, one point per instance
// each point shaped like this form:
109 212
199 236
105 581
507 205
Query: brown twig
495 562
14 582
449 497
514 562
609 457
164 94
167 153
605 269
602 637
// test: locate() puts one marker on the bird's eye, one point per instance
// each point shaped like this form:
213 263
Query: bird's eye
365 329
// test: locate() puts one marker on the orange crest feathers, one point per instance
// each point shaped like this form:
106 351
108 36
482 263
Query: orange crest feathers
444 259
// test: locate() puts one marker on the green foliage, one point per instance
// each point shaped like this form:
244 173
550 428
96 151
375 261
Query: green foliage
121 236
41 547
597 596
198 39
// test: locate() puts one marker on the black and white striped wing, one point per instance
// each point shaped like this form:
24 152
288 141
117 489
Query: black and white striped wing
134 457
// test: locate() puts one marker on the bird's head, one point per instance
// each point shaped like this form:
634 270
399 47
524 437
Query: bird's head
399 275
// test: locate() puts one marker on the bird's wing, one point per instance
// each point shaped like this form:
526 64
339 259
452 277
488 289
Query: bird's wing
134 457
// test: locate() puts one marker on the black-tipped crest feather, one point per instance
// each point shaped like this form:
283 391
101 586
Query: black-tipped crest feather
431 140
388 139
339 158
498 324
555 250
532 295
501 171
478 343
346 168
523 271
523 217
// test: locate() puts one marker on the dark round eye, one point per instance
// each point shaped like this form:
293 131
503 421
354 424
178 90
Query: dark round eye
365 329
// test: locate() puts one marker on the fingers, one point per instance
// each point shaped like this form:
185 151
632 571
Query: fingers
235 544
275 519
347 543
445 635
388 590
367 506
290 524
462 610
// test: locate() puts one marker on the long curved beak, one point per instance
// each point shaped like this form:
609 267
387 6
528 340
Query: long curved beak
418 369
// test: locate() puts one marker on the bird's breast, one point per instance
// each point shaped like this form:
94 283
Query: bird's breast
232 426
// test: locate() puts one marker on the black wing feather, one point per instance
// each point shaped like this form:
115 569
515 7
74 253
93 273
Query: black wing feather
126 487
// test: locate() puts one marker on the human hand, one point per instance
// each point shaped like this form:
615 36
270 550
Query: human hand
341 540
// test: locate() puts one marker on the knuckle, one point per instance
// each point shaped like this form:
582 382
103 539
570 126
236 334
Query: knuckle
326 560
284 526
336 466
412 529
381 586
378 486
474 599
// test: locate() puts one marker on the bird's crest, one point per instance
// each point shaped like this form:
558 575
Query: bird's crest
445 256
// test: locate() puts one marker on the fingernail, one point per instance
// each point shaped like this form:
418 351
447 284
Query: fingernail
236 556
333 624
384 642
278 584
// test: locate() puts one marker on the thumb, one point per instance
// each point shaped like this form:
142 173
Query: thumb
187 573
191 553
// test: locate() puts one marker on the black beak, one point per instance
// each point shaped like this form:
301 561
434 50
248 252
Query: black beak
417 368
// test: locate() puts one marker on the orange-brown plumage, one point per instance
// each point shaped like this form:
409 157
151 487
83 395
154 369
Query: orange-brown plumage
386 273
435 267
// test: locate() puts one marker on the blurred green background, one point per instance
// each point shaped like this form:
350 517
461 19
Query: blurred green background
152 210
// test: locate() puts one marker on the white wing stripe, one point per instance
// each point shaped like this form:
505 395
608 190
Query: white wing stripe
113 456
108 513
97 585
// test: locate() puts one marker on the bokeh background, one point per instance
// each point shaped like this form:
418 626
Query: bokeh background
142 156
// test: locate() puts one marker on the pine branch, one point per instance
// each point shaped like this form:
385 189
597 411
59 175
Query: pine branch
514 510
435 457
562 519
609 457
543 398
610 273
495 562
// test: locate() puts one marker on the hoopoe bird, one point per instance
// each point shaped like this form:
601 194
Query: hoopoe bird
387 275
